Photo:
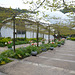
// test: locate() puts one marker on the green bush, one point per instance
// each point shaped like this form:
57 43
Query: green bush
73 39
1 38
3 41
21 42
2 44
68 38
33 39
55 45
46 46
19 39
28 49
4 60
59 42
19 53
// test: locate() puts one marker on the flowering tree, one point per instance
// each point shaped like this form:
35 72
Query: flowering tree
54 4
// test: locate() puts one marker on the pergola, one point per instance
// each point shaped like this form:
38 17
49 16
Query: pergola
29 24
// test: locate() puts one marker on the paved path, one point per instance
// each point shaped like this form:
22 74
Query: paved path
17 46
60 61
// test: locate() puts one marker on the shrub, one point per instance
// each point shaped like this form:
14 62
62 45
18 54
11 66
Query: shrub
73 39
43 47
69 38
46 46
59 42
19 53
4 60
2 44
21 42
34 48
28 49
19 39
3 41
9 44
55 45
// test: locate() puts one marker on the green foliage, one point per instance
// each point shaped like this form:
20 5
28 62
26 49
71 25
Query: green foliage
4 60
28 49
2 44
34 48
73 39
8 12
46 46
68 38
23 52
20 53
62 41
21 42
51 45
33 39
5 40
9 45
19 39
66 10
55 45
59 42
42 46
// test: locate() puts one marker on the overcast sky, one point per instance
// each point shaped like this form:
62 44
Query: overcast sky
19 4
13 4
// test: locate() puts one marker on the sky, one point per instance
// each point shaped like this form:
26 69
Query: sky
13 4
21 5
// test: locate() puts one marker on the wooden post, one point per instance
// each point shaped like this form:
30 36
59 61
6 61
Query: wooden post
37 34
58 35
49 35
43 35
25 34
54 36
33 33
14 33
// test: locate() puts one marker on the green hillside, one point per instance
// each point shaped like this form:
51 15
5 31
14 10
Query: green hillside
8 12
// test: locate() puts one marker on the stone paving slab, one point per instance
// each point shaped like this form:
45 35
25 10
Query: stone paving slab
30 68
56 62
2 73
59 56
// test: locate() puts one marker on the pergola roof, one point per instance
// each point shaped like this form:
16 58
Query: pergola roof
29 24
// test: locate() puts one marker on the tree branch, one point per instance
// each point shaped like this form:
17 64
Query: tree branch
39 5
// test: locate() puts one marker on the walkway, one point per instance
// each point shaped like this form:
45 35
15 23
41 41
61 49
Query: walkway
17 46
60 61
